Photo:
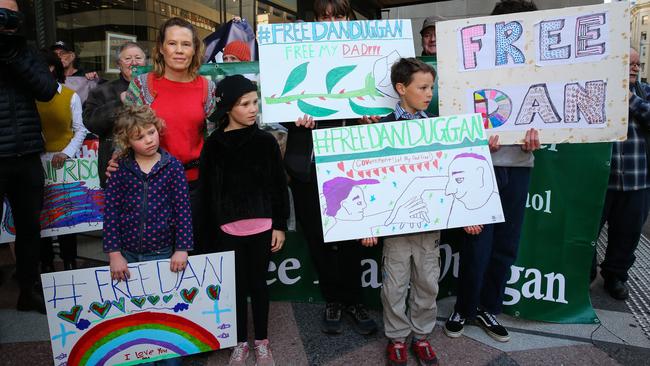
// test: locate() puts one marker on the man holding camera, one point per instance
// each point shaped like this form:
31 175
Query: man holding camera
24 78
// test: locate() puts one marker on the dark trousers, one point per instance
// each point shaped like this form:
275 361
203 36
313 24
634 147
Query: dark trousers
21 181
625 212
338 265
485 259
252 256
67 246
195 209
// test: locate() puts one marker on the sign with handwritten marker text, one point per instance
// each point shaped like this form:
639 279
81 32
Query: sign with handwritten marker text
562 71
404 177
330 70
73 202
156 314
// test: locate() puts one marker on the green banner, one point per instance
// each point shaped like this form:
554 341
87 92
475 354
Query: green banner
549 281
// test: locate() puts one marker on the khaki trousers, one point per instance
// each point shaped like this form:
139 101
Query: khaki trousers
411 267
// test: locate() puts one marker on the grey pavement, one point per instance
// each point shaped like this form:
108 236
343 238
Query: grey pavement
621 338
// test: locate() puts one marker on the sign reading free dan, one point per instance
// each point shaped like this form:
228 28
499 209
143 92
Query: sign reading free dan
561 71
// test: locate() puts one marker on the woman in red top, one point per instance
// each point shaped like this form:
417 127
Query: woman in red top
179 95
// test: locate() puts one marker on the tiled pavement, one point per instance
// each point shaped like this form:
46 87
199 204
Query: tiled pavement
297 340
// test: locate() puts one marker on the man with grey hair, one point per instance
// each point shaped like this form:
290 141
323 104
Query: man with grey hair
428 33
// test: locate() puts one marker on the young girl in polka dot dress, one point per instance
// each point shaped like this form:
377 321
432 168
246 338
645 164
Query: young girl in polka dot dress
147 213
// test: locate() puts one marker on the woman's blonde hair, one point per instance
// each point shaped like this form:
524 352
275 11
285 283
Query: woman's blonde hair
130 120
159 60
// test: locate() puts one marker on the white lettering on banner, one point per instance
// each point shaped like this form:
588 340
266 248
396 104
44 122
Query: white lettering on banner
446 261
370 276
538 202
289 264
533 287
549 147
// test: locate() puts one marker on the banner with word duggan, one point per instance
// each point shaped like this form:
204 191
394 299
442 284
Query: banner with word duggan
73 202
156 314
561 71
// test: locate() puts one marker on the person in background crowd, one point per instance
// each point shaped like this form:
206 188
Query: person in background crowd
490 250
24 78
628 196
79 81
236 51
243 191
64 133
428 33
180 97
104 102
338 265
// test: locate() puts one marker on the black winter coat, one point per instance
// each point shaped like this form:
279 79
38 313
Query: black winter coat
241 177
24 78
99 112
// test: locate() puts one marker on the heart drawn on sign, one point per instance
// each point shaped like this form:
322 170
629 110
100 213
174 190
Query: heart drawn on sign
138 301
189 295
341 166
119 304
153 299
166 298
100 309
213 292
435 163
71 316
439 154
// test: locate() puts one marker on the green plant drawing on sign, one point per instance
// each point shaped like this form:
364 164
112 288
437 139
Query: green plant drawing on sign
313 110
336 74
369 111
296 76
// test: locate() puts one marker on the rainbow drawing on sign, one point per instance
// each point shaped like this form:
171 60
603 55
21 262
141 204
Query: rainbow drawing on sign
501 112
107 339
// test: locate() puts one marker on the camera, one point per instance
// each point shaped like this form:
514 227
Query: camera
10 20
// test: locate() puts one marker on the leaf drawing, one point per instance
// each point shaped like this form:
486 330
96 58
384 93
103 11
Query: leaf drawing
296 76
313 110
368 111
336 74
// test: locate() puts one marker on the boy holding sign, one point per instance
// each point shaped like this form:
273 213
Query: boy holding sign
410 261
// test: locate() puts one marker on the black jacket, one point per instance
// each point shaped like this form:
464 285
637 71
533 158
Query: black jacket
392 117
24 78
298 156
99 113
241 177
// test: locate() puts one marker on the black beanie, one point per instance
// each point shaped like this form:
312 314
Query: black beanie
229 90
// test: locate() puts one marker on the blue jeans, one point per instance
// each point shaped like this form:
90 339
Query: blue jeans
164 253
485 259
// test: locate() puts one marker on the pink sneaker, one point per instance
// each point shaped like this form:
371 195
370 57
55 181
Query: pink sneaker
239 354
263 355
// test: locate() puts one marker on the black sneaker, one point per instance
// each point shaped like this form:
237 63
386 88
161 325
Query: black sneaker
454 325
617 289
491 326
363 324
29 300
331 323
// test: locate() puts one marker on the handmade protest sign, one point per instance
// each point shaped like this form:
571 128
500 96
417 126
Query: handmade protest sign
404 177
73 202
562 71
157 314
330 70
